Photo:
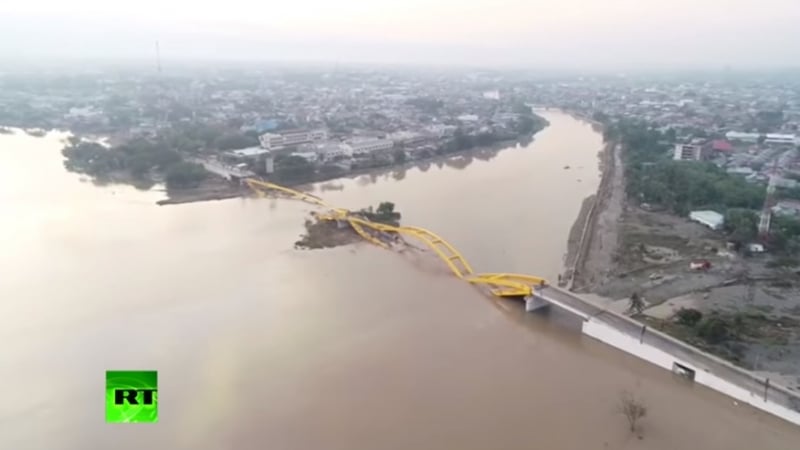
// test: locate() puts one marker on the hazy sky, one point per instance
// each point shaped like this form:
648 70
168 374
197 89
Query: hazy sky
535 33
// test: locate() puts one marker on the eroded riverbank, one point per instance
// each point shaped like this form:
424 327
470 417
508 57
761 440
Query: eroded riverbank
630 250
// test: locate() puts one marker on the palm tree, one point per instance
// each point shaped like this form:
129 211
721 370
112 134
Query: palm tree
635 303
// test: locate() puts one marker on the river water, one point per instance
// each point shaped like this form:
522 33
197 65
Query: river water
259 346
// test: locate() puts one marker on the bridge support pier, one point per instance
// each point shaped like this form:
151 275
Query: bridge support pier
534 303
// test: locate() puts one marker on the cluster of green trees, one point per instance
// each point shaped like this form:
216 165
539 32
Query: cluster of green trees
684 186
399 156
184 175
529 124
521 108
196 137
741 225
385 213
140 158
137 157
713 330
785 235
525 124
293 168
652 176
790 193
724 333
462 141
235 141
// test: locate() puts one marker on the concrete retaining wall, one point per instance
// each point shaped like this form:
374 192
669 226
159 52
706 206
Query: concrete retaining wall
739 384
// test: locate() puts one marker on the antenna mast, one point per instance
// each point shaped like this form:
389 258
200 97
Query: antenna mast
160 83
158 58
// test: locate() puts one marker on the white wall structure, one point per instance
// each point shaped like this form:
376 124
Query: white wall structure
369 145
711 219
704 374
769 138
269 164
329 151
744 137
786 139
274 141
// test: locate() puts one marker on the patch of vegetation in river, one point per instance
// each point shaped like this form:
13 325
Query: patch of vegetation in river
322 233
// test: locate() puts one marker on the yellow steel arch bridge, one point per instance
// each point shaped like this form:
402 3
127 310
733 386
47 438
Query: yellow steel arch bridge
500 284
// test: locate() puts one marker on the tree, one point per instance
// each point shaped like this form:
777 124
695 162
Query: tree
741 225
399 156
525 125
235 141
632 408
386 208
636 303
600 116
653 177
484 139
671 135
688 316
521 108
461 141
331 170
714 330
294 167
185 175
385 213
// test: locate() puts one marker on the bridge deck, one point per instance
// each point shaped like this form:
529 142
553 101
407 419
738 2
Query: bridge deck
568 301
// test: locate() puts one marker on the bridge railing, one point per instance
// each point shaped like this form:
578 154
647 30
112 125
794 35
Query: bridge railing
748 385
761 388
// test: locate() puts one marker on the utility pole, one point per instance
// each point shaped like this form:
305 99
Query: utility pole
158 60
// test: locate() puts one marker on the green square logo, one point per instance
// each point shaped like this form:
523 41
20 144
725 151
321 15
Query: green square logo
131 396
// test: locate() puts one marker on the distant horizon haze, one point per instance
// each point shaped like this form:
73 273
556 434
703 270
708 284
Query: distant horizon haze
559 35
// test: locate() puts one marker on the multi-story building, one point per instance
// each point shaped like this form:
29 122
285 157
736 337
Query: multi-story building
293 138
328 150
786 139
363 146
407 137
769 138
744 137
787 208
688 152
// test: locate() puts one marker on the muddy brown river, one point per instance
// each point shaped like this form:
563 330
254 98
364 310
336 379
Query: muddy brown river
259 346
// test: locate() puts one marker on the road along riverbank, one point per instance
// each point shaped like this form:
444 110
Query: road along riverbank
596 249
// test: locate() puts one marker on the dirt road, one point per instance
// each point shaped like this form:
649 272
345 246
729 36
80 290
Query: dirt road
595 255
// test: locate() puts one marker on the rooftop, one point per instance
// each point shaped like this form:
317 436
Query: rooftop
250 151
721 145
